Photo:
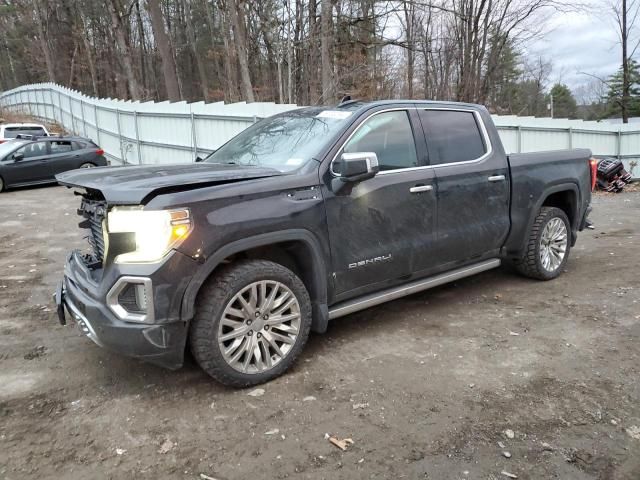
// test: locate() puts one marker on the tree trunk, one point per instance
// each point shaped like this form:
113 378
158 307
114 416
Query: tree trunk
236 15
325 52
194 50
312 62
88 52
44 42
164 47
625 66
123 46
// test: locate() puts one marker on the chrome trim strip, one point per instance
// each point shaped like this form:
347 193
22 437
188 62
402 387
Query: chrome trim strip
121 313
351 306
82 321
496 178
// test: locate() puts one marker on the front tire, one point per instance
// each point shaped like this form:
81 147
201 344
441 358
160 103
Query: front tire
252 321
548 246
1 185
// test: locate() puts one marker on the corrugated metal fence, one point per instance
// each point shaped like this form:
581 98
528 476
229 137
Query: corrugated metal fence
150 132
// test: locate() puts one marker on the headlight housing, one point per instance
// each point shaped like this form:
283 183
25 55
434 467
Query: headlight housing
156 232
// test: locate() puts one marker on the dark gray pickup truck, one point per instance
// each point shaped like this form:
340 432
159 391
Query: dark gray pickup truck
305 217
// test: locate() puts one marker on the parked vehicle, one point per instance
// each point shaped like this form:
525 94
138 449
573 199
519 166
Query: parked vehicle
308 216
36 160
9 131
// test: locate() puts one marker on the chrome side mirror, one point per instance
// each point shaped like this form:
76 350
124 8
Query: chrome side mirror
356 167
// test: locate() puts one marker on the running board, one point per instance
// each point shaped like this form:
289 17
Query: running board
351 306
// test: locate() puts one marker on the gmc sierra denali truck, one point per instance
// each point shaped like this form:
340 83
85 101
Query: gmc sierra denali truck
305 217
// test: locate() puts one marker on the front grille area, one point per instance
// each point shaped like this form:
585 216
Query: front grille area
94 212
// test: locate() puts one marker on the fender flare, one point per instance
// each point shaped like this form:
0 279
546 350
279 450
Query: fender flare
561 187
317 288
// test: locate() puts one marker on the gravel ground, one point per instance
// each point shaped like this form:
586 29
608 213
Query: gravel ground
446 384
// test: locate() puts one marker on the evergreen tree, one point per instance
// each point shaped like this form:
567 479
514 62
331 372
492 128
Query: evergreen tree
564 103
613 98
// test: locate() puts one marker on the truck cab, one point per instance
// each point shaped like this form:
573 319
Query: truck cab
306 217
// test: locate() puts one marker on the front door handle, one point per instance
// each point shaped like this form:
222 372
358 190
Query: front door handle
496 178
421 188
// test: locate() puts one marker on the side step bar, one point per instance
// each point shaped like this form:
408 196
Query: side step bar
351 306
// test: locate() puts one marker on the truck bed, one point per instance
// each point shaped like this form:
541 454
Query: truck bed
535 176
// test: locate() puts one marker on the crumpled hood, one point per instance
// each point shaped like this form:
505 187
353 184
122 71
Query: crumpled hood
135 184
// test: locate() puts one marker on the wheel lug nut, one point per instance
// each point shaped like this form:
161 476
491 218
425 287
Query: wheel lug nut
259 335
266 317
257 314
250 332
266 327
248 322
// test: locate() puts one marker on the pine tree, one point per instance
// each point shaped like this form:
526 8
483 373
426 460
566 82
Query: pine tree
613 99
564 103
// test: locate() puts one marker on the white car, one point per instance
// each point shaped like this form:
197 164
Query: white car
9 131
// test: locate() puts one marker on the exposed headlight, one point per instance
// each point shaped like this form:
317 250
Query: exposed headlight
156 231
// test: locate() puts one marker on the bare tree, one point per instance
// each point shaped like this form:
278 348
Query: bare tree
164 47
123 46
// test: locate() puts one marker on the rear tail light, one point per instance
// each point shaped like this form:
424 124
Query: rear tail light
100 152
2 141
593 163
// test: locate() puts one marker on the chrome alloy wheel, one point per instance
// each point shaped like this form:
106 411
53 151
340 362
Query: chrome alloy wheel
553 244
259 326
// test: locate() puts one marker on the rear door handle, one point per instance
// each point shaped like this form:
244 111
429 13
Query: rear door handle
421 188
496 178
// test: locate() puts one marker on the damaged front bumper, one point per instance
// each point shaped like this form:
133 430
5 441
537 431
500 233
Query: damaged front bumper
108 315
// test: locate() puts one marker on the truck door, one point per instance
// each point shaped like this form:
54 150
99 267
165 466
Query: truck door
378 226
473 185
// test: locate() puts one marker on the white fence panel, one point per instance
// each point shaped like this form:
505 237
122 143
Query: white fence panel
163 132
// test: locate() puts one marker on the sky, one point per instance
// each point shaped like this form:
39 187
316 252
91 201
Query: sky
579 43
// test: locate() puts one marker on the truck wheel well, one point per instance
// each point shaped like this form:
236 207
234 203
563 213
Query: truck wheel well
294 255
565 201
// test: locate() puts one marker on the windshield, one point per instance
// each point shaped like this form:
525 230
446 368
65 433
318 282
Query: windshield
285 142
8 147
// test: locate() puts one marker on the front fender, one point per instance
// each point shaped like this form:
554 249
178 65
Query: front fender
318 281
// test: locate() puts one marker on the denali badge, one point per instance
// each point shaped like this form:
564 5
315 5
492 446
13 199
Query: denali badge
370 261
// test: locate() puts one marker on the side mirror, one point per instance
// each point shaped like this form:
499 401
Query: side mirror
17 157
356 167
199 159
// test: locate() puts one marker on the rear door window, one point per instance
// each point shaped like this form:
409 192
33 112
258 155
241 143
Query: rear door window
60 146
452 136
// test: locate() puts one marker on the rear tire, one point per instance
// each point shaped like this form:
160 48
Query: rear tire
87 165
1 185
252 320
548 245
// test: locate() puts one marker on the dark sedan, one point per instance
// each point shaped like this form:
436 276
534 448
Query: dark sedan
37 160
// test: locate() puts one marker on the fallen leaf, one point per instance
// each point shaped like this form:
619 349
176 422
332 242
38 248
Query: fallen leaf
258 392
341 444
166 446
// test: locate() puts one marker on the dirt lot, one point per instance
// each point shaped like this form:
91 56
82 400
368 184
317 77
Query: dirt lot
425 386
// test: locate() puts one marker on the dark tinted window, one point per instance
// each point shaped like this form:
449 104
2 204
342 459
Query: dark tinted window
389 135
78 145
452 136
13 132
60 146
